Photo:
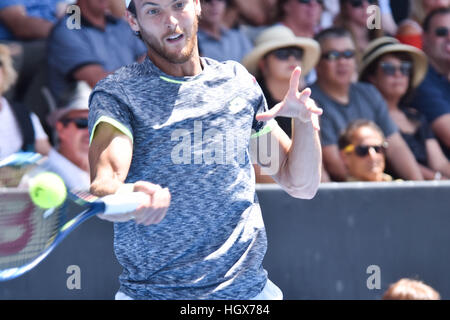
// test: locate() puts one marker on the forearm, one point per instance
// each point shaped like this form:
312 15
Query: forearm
32 28
300 171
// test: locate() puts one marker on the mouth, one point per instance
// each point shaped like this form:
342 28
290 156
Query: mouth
175 38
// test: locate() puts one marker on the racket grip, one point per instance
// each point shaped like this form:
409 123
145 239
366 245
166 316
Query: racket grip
124 202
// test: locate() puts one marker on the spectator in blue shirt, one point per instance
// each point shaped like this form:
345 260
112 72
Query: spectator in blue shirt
215 40
24 27
102 45
433 95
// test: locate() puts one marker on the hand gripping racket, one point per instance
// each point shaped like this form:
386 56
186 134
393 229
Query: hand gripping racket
28 234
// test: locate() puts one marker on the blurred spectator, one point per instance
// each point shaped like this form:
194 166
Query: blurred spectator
276 54
396 70
117 8
410 30
363 151
344 101
20 129
217 41
102 45
70 158
353 16
329 13
409 289
301 16
432 97
24 27
250 12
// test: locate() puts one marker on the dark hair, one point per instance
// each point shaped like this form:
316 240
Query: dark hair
431 15
372 68
348 134
132 9
331 33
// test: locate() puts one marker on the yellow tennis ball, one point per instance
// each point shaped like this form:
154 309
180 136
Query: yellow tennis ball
47 190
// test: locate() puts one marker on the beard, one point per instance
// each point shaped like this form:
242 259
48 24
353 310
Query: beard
179 57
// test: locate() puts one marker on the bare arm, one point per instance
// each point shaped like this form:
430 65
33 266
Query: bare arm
295 165
441 128
436 158
23 26
401 158
110 156
333 163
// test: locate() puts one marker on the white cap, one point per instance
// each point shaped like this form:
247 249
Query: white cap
127 3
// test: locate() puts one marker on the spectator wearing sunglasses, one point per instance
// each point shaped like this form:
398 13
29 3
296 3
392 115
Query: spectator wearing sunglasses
276 54
410 30
301 16
363 151
344 101
353 16
432 97
20 129
396 70
69 158
217 41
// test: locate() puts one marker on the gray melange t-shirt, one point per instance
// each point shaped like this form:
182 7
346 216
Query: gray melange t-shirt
366 102
191 135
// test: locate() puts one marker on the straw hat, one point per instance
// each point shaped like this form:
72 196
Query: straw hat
384 45
282 37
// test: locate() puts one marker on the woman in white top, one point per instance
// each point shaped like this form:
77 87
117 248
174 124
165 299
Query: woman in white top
19 128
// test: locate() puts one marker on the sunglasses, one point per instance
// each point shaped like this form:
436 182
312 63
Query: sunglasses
363 151
441 32
359 3
80 123
284 53
390 69
309 1
335 55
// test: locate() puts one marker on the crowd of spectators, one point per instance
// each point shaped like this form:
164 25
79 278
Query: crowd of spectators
365 68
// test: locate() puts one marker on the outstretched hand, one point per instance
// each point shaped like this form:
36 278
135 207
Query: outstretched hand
295 104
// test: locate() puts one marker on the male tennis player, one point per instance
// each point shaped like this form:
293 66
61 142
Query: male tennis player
187 124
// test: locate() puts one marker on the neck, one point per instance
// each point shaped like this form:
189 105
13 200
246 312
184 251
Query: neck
299 30
340 93
96 18
213 29
442 68
277 87
191 67
392 103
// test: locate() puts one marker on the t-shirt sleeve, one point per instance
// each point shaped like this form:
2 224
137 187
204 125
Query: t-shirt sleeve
67 51
38 129
431 101
110 106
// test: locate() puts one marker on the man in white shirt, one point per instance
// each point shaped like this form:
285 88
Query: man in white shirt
69 159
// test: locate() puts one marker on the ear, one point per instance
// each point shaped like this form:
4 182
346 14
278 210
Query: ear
132 21
198 8
344 157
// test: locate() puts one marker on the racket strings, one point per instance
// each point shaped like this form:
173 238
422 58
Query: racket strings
25 230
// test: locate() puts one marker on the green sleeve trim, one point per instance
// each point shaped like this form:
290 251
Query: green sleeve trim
267 129
116 124
171 80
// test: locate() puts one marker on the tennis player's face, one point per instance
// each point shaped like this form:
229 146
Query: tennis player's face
169 28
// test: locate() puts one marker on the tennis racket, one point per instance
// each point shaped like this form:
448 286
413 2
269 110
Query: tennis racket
28 234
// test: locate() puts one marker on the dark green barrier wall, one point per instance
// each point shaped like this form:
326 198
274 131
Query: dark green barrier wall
318 249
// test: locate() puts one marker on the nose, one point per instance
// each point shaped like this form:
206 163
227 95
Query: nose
170 21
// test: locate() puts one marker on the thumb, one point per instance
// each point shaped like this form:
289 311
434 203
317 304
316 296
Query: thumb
270 114
146 187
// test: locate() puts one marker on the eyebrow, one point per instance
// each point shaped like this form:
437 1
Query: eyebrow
155 4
